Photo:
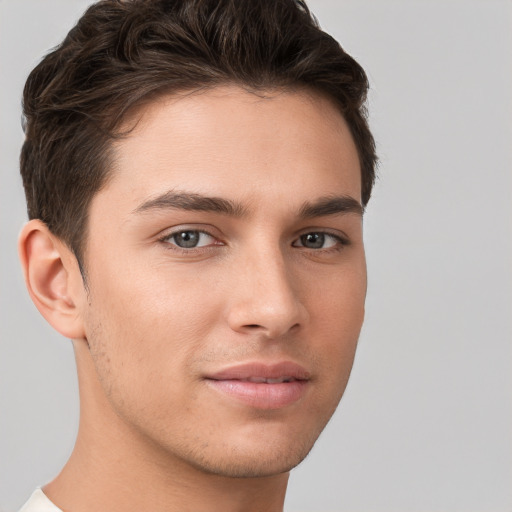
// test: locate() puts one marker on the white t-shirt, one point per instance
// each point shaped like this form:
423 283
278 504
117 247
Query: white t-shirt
38 502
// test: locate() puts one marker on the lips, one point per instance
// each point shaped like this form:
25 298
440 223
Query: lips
262 380
262 386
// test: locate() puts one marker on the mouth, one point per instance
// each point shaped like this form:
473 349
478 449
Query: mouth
263 380
261 386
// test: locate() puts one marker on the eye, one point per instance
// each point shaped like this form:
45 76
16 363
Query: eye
190 239
319 240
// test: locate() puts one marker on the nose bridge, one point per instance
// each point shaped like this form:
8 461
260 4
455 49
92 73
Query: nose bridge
266 298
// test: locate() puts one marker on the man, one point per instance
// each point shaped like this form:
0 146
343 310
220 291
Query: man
196 173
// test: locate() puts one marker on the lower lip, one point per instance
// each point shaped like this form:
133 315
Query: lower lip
262 395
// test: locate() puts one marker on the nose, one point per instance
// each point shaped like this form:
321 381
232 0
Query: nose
264 296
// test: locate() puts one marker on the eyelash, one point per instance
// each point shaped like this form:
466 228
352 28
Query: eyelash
166 240
341 242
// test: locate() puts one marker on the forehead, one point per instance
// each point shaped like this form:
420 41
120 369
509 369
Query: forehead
230 142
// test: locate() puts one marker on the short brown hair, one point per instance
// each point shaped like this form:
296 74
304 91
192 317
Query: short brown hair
122 52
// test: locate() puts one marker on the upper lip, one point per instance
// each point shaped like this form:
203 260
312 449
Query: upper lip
262 372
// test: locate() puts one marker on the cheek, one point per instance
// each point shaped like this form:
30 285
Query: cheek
336 314
144 328
151 301
335 300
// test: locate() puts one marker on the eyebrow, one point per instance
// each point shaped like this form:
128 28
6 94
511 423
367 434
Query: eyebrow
191 202
331 206
197 202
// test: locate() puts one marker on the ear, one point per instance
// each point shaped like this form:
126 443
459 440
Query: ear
53 278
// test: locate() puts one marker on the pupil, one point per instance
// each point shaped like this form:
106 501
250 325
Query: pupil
313 240
187 239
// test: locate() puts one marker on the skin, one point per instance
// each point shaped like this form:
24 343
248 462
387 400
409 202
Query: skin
156 319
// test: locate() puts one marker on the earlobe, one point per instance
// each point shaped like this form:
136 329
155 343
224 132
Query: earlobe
50 270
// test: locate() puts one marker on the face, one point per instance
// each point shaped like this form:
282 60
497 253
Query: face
227 277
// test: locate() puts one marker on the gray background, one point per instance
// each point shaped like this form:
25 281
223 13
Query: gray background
426 423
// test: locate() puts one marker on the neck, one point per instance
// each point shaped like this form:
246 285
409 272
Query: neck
115 468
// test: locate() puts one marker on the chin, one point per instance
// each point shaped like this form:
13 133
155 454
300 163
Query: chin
252 465
255 456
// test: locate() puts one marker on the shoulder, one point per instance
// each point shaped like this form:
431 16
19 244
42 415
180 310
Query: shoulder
38 502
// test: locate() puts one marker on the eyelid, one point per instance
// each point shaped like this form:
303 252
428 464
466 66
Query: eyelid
342 239
201 228
168 233
336 233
